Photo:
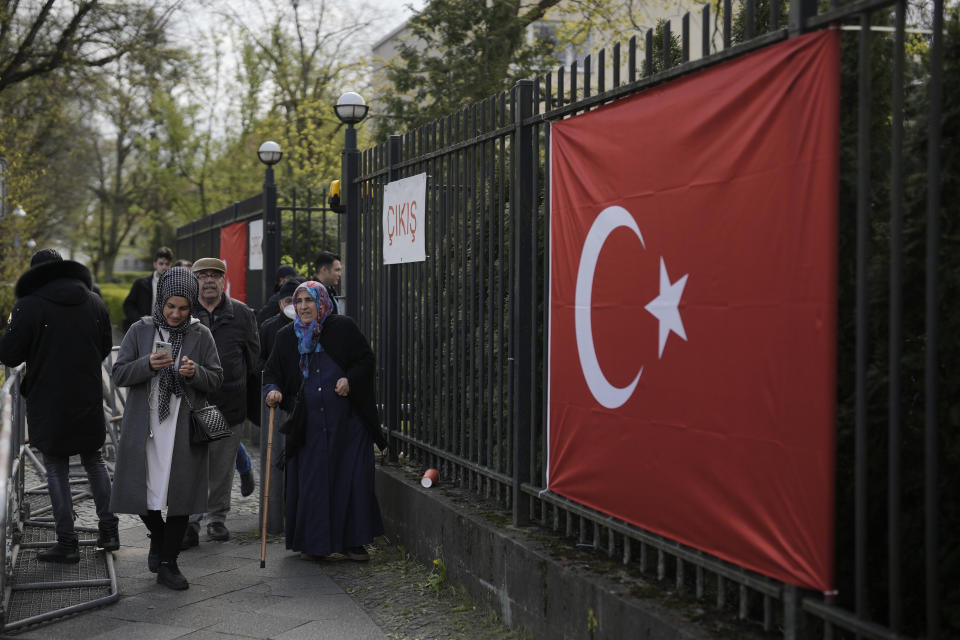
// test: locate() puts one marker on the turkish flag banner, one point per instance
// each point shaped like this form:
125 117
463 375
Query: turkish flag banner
693 261
233 251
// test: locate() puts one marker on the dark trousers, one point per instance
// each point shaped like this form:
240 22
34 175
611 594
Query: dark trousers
165 537
58 486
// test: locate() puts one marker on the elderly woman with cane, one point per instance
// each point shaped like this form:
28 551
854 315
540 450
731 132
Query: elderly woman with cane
325 363
170 363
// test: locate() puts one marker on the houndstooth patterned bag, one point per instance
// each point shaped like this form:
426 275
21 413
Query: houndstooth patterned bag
206 423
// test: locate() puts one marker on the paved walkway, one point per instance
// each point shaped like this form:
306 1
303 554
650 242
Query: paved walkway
230 596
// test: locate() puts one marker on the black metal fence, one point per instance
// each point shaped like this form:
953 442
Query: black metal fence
305 226
461 337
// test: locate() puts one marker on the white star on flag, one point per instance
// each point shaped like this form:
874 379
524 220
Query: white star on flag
664 306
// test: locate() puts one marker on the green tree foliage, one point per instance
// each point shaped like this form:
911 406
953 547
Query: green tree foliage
297 64
676 51
459 52
136 177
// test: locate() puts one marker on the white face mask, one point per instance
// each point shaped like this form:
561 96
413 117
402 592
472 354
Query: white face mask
289 311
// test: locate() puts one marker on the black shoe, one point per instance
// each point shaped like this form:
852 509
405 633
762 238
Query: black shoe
191 538
168 574
358 554
62 552
247 483
109 537
153 562
218 531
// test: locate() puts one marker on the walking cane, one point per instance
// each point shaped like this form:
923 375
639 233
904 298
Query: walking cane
266 494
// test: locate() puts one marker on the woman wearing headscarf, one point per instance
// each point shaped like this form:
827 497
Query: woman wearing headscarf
330 502
157 466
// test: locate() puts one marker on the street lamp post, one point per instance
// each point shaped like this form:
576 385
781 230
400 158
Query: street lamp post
270 154
351 109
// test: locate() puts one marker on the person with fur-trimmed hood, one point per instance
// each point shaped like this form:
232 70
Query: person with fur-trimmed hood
61 329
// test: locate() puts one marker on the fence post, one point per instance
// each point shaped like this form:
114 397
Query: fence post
522 321
350 195
271 233
392 357
800 10
271 256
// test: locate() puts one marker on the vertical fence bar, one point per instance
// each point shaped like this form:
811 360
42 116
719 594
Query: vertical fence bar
602 71
727 30
931 375
648 54
459 266
523 318
749 18
616 65
503 375
705 31
860 410
896 323
476 267
392 356
587 77
574 73
685 37
632 60
492 247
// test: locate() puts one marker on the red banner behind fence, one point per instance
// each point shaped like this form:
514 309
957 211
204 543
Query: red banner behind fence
692 309
233 251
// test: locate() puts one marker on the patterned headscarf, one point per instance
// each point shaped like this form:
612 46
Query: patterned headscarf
177 281
308 336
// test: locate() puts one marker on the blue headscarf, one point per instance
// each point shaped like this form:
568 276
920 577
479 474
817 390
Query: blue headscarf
308 335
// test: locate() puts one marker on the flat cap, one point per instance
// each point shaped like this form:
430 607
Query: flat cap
210 264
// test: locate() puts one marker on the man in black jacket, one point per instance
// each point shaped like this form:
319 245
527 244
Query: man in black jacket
234 329
268 329
143 291
329 271
269 309
61 329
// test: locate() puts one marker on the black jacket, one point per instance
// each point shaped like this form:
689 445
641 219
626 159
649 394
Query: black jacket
270 309
61 329
268 336
342 340
234 329
139 301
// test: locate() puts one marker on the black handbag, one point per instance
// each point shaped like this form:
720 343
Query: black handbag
295 426
206 423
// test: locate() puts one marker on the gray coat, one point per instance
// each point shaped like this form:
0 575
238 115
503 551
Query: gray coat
187 492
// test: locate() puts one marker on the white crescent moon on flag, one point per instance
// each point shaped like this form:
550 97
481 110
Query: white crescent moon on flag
606 394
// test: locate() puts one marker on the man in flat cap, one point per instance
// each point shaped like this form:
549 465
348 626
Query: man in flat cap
234 329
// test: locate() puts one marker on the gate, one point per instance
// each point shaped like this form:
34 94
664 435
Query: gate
295 227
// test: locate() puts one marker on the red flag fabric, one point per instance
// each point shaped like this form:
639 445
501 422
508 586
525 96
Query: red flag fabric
692 309
233 251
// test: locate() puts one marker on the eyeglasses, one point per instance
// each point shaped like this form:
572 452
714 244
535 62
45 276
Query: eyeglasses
208 275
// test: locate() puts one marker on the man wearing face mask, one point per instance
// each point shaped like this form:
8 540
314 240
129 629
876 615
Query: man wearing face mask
268 330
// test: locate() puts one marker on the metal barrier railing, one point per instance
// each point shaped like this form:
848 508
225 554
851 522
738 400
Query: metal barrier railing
15 517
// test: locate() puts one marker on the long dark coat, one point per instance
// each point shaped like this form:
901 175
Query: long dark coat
187 491
61 329
342 339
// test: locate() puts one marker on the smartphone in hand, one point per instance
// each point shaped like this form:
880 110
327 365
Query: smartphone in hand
165 348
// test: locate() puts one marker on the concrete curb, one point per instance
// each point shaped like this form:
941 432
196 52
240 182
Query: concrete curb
508 570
